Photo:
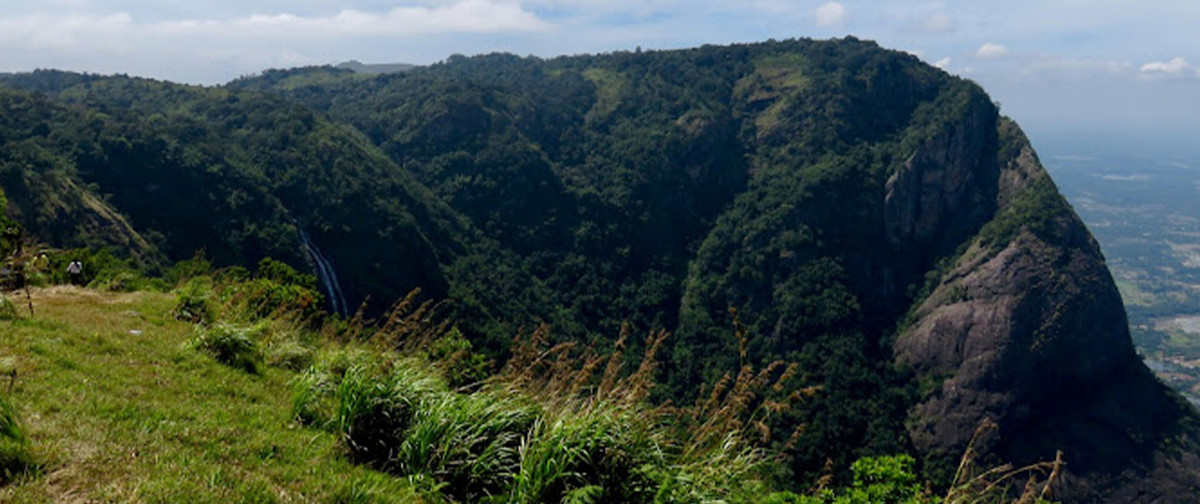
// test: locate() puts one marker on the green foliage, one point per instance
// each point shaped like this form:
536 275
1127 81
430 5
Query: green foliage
7 310
194 302
314 397
275 290
10 230
884 480
1038 208
461 365
129 153
188 269
15 457
124 281
281 273
501 444
234 346
290 355
107 269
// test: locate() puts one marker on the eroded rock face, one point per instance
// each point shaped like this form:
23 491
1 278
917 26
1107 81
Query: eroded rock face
1032 335
946 185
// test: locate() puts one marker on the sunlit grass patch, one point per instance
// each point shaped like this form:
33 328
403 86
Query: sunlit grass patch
116 408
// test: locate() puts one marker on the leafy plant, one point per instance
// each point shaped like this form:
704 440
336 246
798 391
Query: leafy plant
15 457
7 310
289 354
460 363
232 345
194 302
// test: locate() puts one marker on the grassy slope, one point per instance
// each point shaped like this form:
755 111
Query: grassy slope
122 417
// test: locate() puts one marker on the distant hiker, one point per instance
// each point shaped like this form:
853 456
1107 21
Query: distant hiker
75 271
41 263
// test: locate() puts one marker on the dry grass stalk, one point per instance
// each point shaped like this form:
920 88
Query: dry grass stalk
408 326
994 485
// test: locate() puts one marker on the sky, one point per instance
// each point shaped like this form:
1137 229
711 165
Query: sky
1126 69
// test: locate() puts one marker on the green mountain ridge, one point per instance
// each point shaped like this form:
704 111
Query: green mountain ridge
861 214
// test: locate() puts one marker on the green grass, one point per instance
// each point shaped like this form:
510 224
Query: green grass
117 408
116 400
521 438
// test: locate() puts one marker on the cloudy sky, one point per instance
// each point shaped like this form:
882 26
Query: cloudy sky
1123 66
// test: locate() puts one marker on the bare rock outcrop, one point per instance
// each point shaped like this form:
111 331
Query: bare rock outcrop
1027 329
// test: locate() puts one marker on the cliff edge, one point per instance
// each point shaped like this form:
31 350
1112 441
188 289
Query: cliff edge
1027 329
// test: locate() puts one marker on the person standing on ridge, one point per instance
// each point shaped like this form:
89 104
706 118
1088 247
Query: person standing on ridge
75 271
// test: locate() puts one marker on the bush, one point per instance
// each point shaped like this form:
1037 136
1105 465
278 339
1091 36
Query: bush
7 310
289 355
15 459
472 443
125 281
275 290
606 453
500 445
458 361
314 392
194 303
231 345
188 269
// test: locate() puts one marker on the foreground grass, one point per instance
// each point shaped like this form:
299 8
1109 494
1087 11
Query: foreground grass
118 410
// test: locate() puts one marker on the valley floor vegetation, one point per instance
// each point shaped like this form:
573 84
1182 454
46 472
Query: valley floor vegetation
235 386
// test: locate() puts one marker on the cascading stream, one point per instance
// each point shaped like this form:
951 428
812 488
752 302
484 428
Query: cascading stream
326 274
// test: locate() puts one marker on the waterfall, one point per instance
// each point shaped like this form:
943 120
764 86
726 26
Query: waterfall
326 274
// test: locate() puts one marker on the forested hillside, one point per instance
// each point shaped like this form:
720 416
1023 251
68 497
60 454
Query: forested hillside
828 204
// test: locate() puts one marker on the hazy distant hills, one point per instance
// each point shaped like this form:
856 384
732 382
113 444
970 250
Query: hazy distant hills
856 211
379 68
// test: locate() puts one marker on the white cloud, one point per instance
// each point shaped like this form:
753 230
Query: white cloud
939 23
832 13
943 63
466 16
44 31
990 50
1174 68
1074 69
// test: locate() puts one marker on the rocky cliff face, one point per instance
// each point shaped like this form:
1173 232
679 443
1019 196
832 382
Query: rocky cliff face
1030 333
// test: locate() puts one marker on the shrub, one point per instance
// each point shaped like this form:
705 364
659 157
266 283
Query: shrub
231 345
314 392
375 408
548 428
7 310
194 303
188 269
289 355
472 443
499 444
281 273
262 297
15 458
600 452
459 363
124 280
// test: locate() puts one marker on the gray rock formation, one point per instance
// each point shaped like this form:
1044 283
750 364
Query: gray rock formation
1029 332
